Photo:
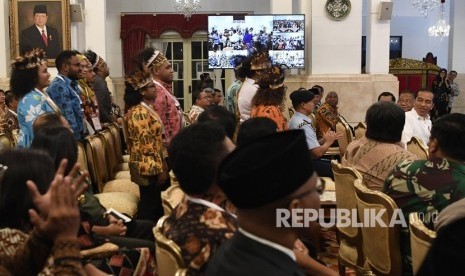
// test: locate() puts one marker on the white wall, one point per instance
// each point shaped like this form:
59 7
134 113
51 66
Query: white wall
413 27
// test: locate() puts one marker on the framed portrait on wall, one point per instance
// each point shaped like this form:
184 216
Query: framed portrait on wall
39 24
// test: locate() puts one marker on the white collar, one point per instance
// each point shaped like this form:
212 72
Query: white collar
415 114
274 245
205 203
42 29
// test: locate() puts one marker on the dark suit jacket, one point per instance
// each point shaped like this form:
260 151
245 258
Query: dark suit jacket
31 38
103 99
243 256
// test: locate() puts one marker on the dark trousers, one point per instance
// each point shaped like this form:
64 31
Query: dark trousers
150 207
323 167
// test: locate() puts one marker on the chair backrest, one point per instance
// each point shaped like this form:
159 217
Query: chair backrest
345 197
421 239
82 158
114 129
125 130
291 111
109 143
380 244
360 130
418 147
343 127
5 142
167 252
170 198
96 161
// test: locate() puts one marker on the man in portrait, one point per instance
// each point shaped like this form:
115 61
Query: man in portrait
40 35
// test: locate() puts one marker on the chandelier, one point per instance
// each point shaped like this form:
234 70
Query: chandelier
186 7
441 28
425 6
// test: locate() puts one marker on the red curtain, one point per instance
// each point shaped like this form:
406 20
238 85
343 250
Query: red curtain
132 44
135 28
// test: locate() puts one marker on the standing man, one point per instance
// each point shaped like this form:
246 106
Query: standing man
417 120
406 100
166 104
386 97
455 91
40 35
100 87
64 91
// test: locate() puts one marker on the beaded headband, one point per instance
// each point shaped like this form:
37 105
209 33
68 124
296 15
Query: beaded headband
156 59
139 79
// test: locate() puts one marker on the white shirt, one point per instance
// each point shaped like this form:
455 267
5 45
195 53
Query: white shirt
276 246
40 30
244 101
415 125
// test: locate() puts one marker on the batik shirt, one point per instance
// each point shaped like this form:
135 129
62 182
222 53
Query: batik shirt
194 113
374 160
231 96
426 187
326 118
65 93
168 108
272 112
30 107
9 124
146 145
199 230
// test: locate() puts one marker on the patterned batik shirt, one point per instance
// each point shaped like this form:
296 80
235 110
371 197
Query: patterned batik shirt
194 113
374 160
146 146
272 112
231 96
199 230
326 118
426 187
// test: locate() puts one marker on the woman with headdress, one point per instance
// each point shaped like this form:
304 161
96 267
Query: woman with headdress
269 99
146 143
88 98
441 90
29 76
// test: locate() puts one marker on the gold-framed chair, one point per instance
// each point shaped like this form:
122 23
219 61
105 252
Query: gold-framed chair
380 244
124 124
291 111
181 272
112 158
170 198
421 239
98 171
5 142
418 147
360 130
343 127
350 238
121 165
167 252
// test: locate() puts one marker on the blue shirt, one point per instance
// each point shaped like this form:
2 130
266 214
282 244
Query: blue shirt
300 121
65 93
30 107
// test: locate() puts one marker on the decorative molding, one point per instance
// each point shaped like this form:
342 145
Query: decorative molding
337 9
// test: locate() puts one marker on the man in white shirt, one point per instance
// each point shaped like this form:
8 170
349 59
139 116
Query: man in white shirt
417 120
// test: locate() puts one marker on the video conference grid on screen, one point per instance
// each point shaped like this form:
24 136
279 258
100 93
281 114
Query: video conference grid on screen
282 35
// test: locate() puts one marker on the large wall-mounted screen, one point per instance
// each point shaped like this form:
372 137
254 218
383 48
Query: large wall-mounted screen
230 35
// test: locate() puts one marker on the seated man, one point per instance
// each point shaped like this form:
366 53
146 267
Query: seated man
417 120
302 101
327 115
376 154
202 100
428 186
222 116
386 97
406 100
199 224
259 177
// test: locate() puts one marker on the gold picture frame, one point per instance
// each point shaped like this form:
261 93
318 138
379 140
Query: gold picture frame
25 35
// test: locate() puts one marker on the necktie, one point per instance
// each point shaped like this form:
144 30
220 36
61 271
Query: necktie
44 38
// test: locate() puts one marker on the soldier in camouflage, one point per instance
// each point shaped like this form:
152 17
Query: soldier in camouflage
428 186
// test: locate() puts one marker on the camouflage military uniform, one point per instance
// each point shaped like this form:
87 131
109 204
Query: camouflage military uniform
426 187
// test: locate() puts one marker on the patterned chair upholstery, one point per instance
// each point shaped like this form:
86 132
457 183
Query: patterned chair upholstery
122 202
418 147
167 252
421 239
350 247
121 166
170 198
380 244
